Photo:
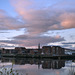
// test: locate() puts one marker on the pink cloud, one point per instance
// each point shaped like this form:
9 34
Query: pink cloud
67 20
45 19
35 40
32 41
37 21
9 23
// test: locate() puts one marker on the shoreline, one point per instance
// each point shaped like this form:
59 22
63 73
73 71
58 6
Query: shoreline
39 56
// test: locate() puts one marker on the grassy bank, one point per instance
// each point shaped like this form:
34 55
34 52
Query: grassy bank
8 71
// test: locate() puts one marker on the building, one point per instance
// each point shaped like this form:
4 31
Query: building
8 51
46 50
20 50
35 51
0 51
54 50
63 51
57 50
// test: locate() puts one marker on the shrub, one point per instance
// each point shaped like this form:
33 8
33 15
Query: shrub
8 71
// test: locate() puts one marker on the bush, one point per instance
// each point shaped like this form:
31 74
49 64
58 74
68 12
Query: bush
71 71
8 71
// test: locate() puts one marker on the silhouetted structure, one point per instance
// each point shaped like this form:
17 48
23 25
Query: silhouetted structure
20 50
54 50
46 50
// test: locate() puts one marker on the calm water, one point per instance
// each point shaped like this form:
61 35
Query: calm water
39 67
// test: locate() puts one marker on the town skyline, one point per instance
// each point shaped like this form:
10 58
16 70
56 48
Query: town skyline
26 23
37 47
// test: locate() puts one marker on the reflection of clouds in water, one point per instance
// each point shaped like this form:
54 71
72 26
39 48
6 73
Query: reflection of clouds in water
26 66
73 64
5 64
33 70
70 64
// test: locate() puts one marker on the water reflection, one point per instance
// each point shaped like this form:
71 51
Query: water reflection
54 64
45 63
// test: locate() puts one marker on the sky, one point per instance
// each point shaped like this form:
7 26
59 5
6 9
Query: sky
26 23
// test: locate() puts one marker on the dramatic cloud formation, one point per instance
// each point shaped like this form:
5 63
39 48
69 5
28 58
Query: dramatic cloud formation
38 17
26 41
48 18
38 20
8 23
67 20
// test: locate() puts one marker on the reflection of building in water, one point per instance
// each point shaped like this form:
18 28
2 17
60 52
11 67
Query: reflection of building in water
46 64
73 60
3 59
53 64
21 61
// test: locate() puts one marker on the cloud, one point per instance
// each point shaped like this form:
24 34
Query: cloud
29 41
9 23
69 43
35 40
69 46
6 46
39 20
10 41
66 46
4 32
2 13
67 20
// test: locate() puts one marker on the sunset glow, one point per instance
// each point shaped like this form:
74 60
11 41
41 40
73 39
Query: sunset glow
30 22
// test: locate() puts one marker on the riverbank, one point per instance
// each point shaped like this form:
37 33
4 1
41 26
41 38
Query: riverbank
39 56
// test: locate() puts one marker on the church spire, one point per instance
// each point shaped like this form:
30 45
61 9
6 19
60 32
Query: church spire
39 46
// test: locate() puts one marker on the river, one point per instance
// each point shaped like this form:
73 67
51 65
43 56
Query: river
27 66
